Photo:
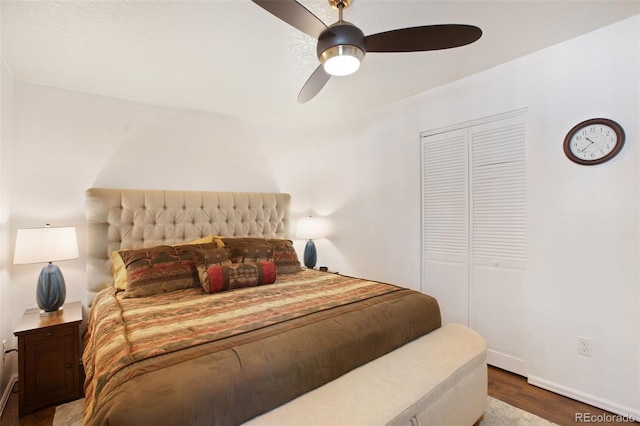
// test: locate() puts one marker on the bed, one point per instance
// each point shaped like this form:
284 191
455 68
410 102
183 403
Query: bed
209 319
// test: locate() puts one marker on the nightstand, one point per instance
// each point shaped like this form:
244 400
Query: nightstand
48 358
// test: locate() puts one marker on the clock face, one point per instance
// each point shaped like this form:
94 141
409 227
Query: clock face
594 141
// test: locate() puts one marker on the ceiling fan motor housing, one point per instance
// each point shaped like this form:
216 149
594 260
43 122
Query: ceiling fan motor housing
340 34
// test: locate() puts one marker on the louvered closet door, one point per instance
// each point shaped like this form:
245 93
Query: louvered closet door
445 200
474 231
498 239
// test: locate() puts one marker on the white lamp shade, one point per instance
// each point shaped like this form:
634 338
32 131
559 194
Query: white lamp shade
37 245
310 228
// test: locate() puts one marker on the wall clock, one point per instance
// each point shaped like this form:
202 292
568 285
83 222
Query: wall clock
594 141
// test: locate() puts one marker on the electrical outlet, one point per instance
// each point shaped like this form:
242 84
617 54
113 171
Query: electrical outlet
585 346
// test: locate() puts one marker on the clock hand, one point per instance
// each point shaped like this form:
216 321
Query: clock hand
585 148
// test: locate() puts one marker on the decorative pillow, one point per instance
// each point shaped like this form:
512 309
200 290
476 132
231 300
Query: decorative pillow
164 269
207 258
249 249
239 275
216 239
285 256
120 272
244 250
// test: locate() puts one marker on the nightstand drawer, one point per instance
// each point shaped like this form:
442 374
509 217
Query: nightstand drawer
48 334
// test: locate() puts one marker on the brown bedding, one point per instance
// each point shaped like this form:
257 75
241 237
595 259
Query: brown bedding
192 358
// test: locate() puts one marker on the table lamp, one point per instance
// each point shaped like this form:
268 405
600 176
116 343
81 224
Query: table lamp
48 244
310 228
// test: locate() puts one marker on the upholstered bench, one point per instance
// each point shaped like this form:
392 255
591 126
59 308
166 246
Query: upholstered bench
439 379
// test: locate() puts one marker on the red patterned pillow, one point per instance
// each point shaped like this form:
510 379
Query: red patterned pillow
243 250
285 256
160 269
251 249
239 275
164 269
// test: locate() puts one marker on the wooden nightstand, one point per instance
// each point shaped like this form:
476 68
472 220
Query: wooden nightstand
48 358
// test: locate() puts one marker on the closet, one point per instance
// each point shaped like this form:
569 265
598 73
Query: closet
474 230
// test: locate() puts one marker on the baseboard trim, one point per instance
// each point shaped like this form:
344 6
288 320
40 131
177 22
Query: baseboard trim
506 361
626 412
7 392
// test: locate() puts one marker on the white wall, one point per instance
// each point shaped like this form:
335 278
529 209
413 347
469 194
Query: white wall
583 235
8 367
67 142
365 175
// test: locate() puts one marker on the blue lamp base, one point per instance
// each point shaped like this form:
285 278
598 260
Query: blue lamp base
310 255
50 290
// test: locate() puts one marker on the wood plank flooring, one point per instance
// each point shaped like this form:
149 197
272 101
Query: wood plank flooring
515 390
505 386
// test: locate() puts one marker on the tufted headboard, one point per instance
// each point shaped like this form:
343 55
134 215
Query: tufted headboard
127 218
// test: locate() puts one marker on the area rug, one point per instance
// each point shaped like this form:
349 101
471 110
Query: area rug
498 414
69 414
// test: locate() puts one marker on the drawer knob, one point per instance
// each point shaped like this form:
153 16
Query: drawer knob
69 365
49 334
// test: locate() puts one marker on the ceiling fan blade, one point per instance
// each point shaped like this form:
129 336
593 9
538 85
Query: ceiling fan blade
294 14
314 84
419 39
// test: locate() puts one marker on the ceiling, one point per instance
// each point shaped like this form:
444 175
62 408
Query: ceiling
234 58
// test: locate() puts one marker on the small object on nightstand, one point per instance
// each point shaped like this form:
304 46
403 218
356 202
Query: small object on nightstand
48 244
48 358
310 228
324 269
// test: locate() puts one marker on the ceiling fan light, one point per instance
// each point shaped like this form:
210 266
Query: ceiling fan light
341 59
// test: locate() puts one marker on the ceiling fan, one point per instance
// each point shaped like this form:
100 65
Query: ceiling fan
341 46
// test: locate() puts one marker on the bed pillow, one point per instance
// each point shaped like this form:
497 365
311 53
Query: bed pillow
120 272
238 275
285 256
163 269
248 250
207 259
280 251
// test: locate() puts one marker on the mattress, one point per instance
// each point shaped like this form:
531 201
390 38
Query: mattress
192 358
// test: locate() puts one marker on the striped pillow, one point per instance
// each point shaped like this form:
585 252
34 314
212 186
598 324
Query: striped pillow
238 275
250 249
163 269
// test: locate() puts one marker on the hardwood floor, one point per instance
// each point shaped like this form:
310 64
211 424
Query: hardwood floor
505 386
10 417
515 390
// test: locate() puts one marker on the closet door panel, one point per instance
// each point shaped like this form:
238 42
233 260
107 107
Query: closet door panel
498 240
498 314
448 282
445 225
498 190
